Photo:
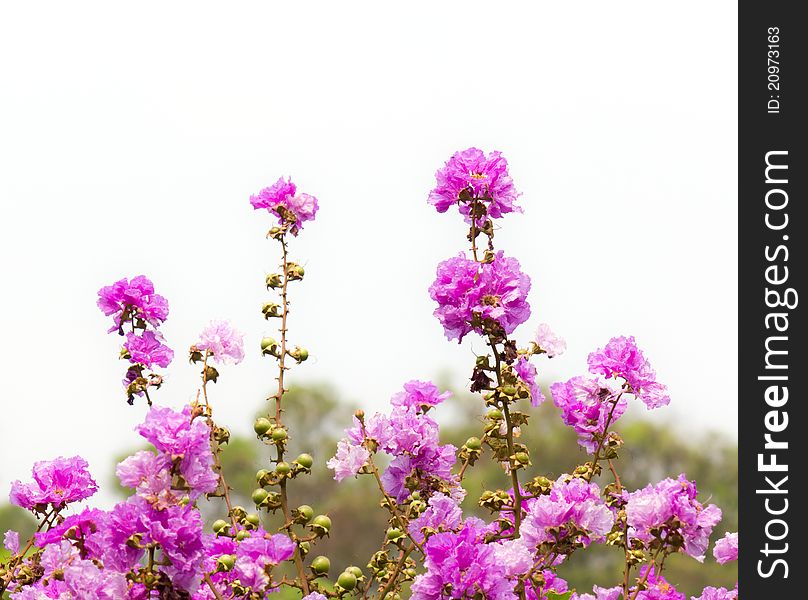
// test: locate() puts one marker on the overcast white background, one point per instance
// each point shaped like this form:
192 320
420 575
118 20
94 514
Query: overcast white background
131 137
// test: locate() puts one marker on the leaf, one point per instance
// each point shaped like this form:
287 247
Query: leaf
551 595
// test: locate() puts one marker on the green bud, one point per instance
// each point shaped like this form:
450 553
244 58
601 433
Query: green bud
299 354
305 548
274 280
522 457
393 534
347 581
357 572
474 443
262 425
259 496
305 513
243 534
321 524
220 526
305 461
494 414
261 475
268 346
509 390
225 562
270 309
253 519
321 565
279 434
283 468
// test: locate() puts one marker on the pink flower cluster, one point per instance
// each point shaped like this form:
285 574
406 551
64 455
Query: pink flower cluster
56 483
282 200
473 175
224 342
469 293
622 358
669 508
408 435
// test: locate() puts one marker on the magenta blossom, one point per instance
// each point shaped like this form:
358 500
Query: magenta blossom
587 407
148 349
527 373
471 294
726 549
283 201
56 482
11 541
656 588
622 358
349 460
223 341
711 593
671 505
135 298
469 175
422 395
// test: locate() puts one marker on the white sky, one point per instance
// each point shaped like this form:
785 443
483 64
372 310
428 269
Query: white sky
132 137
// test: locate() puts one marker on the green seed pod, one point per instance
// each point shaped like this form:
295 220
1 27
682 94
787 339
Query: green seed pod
320 565
259 496
253 519
220 526
509 390
474 443
305 460
494 414
261 476
283 468
522 458
305 548
393 534
243 534
305 513
279 434
357 572
347 581
320 525
262 425
225 562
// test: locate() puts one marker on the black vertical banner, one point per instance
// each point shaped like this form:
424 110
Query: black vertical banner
773 171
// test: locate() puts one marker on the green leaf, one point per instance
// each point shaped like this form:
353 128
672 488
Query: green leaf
556 596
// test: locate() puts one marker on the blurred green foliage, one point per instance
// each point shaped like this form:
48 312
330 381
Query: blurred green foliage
316 417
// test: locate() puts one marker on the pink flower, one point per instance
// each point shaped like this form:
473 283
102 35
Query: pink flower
148 349
135 297
223 341
422 395
726 549
549 342
471 174
56 482
711 593
622 358
283 201
11 541
349 459
471 294
527 373
654 506
586 406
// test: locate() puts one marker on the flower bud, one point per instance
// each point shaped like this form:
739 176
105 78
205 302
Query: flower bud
357 572
262 477
269 346
305 461
509 390
270 309
239 512
303 513
259 496
242 535
494 414
320 565
274 280
347 581
299 354
261 426
220 526
294 272
305 548
522 458
279 434
225 562
253 519
394 533
474 443
321 525
283 468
